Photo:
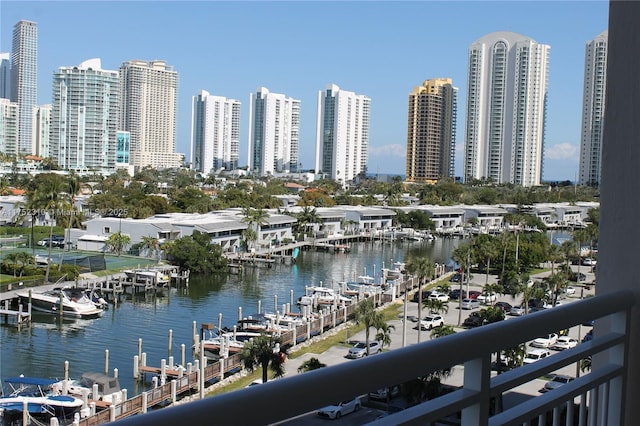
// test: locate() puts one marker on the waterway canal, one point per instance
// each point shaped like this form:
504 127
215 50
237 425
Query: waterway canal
41 349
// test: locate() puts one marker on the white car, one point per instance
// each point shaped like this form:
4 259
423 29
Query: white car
570 290
470 304
536 355
545 341
557 381
382 393
487 298
359 350
587 261
549 305
439 296
564 342
431 321
340 409
518 311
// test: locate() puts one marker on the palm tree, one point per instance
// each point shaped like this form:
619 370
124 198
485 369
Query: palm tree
310 364
264 351
307 217
50 198
367 315
436 306
255 218
150 243
117 242
384 334
422 268
18 260
489 250
463 255
443 330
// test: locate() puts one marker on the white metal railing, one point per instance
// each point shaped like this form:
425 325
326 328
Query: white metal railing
599 393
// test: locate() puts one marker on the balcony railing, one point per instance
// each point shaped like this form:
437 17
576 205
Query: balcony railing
594 398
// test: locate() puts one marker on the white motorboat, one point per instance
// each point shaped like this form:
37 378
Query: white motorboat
74 301
227 341
96 386
318 295
39 397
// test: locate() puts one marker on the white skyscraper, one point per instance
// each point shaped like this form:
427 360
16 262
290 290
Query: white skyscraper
506 103
342 134
41 130
148 109
24 78
274 133
8 127
84 112
593 100
215 133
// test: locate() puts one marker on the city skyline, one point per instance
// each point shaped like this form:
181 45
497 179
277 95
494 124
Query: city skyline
364 48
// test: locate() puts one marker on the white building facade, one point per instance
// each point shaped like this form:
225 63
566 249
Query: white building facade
215 133
24 78
506 104
41 130
148 111
84 114
593 100
342 134
274 133
9 112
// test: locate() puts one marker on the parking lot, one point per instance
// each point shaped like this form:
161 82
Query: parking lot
406 332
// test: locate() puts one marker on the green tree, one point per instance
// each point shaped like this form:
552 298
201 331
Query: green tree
264 351
367 315
383 334
444 330
312 363
117 242
423 269
463 255
196 253
17 261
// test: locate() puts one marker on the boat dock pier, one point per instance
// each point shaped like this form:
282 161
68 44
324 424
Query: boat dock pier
21 316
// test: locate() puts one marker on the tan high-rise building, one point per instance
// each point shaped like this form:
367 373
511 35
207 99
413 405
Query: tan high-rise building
148 110
431 131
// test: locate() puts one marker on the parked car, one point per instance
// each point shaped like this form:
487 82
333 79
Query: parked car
550 305
56 241
455 278
570 290
587 261
545 341
577 277
439 296
517 311
473 294
431 321
382 393
557 381
564 342
340 409
455 294
470 303
506 307
487 298
473 320
425 295
536 355
359 350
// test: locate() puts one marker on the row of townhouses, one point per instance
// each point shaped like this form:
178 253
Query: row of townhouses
226 227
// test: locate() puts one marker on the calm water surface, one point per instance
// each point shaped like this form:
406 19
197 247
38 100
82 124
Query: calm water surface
41 350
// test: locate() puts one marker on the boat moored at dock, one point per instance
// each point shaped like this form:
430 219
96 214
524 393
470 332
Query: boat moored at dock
70 301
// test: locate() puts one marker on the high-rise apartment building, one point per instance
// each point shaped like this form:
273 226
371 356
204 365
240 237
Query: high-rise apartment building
593 100
8 127
506 105
5 76
431 131
84 113
41 130
215 133
274 133
342 134
24 78
148 110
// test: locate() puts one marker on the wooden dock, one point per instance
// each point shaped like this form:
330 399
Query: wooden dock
21 316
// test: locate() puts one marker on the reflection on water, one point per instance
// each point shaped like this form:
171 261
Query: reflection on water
42 349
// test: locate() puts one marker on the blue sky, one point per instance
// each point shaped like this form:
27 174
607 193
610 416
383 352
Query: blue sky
381 49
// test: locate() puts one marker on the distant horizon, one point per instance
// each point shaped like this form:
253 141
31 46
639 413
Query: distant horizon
377 49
